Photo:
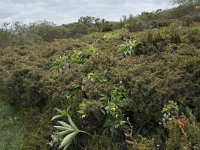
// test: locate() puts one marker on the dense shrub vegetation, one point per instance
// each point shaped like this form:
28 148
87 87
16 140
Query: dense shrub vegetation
133 84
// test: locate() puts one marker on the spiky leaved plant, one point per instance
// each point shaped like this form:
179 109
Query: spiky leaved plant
67 131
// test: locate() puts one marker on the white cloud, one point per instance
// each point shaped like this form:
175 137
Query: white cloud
65 11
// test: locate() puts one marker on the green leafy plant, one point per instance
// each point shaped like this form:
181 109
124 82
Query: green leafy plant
130 48
68 131
96 78
93 77
108 36
81 56
169 111
113 108
60 64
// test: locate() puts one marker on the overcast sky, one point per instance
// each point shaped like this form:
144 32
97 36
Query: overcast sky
66 11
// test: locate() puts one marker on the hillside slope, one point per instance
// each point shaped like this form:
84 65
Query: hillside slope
116 84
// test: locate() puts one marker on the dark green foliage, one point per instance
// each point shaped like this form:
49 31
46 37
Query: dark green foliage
186 2
100 143
141 144
20 34
186 15
90 107
48 31
24 88
4 39
12 126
